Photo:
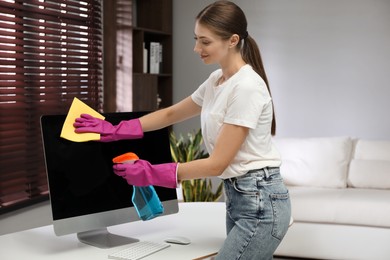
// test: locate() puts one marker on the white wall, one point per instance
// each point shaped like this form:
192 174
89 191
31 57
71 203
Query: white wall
327 61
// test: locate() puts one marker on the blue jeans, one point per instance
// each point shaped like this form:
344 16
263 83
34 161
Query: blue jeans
258 212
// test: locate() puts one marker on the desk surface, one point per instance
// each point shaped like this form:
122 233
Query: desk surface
202 223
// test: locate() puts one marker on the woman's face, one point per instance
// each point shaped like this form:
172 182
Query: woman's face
211 48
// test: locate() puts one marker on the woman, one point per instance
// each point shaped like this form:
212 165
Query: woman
237 125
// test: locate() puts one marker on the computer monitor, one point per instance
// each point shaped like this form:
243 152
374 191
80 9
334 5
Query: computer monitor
86 196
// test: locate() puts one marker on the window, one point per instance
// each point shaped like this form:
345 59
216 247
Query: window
50 52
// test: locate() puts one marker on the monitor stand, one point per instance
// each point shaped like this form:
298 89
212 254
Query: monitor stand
103 239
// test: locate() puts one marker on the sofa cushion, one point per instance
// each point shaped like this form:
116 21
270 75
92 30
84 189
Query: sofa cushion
367 207
370 165
315 162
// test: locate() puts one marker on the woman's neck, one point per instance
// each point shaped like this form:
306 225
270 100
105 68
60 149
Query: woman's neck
231 67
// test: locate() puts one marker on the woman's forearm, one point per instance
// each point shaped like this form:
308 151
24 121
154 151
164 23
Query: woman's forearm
168 116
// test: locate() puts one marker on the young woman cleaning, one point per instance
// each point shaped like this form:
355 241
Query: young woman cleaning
237 122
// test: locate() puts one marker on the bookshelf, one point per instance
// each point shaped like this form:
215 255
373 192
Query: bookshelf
152 23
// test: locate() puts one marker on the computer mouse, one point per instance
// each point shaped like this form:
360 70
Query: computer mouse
178 240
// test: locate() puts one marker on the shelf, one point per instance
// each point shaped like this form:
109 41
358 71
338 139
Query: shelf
146 30
151 74
151 31
148 87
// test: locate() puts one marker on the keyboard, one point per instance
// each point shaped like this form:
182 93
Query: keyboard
138 250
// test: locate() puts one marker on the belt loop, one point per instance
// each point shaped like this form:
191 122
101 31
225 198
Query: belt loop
265 169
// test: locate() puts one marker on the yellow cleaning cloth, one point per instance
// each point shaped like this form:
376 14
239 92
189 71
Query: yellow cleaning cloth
76 109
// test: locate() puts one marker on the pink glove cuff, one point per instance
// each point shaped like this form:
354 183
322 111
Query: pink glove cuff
165 175
176 180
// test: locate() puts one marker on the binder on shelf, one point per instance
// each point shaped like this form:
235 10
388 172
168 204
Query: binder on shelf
155 57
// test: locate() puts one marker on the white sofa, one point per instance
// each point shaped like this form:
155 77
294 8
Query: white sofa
340 195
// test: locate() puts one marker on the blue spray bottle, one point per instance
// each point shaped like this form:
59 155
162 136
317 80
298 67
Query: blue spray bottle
145 199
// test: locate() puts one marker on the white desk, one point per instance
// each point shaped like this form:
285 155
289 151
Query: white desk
203 223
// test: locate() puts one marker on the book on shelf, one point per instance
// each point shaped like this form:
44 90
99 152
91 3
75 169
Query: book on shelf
145 62
155 57
160 58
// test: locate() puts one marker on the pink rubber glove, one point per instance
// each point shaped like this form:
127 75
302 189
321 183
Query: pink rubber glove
130 129
142 173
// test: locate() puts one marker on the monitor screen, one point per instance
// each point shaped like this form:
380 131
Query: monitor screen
86 196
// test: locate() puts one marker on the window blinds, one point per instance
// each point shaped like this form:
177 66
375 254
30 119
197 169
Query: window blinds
50 52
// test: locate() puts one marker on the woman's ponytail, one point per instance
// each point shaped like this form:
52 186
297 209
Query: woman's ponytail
251 54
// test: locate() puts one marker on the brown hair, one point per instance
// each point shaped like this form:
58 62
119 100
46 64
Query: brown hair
225 18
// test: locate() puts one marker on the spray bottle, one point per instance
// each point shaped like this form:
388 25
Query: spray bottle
145 199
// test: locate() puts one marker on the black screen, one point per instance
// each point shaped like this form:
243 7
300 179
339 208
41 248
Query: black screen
80 175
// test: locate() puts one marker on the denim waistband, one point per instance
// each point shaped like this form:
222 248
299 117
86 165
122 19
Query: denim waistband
266 171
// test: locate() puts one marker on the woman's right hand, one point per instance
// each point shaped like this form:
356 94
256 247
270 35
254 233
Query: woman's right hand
127 129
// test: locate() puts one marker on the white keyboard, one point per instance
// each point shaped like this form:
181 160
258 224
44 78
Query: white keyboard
138 250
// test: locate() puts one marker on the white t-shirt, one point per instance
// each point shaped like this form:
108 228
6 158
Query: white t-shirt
242 100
